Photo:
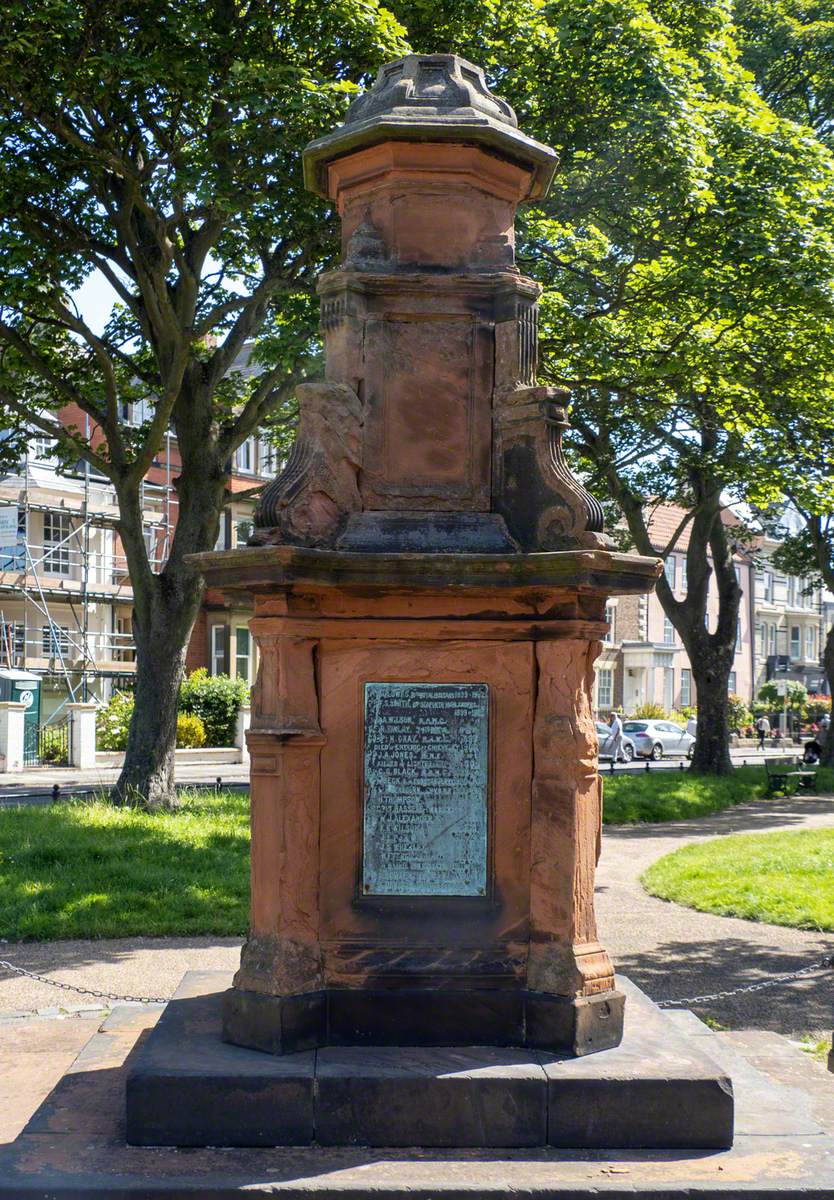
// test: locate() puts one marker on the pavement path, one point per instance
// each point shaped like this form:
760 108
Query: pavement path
668 950
673 952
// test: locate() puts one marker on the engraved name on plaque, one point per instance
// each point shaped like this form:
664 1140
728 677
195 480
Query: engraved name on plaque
426 782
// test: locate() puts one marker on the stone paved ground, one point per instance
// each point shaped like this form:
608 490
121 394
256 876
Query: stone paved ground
668 950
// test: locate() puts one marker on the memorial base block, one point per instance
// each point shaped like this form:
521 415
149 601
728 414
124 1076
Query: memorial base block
656 1090
416 1017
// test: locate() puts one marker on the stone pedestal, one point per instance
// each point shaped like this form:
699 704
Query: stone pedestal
82 734
12 716
429 584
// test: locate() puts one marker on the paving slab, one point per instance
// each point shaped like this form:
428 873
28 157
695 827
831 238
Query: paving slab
187 1088
74 1149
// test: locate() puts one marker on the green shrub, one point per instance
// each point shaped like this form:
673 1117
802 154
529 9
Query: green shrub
215 699
191 732
649 712
113 721
739 714
54 747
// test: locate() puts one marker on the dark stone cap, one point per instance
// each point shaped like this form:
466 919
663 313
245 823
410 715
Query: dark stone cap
431 98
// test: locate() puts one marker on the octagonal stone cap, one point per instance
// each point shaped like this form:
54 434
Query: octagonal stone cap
431 98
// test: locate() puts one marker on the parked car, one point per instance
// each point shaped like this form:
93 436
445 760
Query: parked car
606 746
654 739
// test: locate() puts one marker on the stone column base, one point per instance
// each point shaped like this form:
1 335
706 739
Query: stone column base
574 1025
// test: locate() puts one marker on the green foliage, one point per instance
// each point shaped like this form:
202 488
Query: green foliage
781 878
91 870
191 732
818 706
113 722
53 747
797 697
631 798
650 711
740 715
215 699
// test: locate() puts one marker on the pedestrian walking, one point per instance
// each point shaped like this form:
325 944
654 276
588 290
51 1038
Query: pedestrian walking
616 727
762 729
692 726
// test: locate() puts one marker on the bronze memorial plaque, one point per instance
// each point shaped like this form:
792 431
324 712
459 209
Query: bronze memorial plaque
426 783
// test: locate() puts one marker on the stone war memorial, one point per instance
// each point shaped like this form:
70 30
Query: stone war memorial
429 583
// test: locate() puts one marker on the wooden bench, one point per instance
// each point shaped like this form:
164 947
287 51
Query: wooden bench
783 772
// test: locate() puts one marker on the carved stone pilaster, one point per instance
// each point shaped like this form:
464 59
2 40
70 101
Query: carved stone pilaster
565 957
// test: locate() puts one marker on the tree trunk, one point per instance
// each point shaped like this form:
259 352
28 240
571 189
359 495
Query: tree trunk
827 757
710 669
147 776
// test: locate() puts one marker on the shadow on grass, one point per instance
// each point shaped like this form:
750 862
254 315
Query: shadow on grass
757 816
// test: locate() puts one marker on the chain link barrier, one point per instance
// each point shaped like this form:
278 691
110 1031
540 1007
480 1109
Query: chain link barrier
71 987
822 964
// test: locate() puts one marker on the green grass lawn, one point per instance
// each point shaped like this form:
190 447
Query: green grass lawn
88 870
781 878
679 795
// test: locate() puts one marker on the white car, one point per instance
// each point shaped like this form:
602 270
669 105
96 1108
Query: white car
654 739
606 743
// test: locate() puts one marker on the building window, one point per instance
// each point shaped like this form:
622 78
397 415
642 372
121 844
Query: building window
605 688
668 632
670 569
684 579
56 531
218 649
731 682
55 641
737 570
686 687
791 590
243 531
267 459
768 586
738 635
796 642
810 643
760 639
245 456
243 653
611 619
772 641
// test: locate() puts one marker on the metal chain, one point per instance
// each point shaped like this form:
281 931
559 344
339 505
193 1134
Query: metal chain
71 987
821 964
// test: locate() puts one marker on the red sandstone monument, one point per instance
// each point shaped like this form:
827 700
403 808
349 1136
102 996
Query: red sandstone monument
429 584
427 546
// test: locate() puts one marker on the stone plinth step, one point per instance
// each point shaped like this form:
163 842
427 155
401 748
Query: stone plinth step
656 1090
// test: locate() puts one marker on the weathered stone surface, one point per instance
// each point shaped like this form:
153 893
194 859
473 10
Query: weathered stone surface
656 1090
426 534
437 97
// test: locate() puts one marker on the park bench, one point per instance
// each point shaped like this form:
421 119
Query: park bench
783 772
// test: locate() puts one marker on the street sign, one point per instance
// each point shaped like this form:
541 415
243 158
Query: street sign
781 687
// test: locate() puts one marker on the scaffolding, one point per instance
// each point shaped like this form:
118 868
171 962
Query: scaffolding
52 586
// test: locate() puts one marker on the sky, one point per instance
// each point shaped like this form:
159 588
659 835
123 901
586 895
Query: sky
95 299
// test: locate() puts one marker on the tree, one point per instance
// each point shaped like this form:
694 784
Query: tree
686 258
158 144
789 46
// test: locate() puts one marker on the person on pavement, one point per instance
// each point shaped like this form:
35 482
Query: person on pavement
762 729
616 725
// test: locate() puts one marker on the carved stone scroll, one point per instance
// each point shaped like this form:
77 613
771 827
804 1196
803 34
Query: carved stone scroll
544 505
308 502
